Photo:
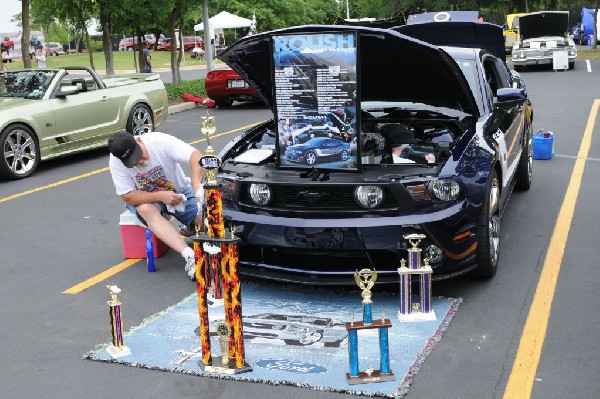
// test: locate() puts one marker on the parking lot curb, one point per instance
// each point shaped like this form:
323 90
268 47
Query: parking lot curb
173 109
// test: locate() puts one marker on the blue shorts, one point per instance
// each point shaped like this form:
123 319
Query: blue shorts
187 217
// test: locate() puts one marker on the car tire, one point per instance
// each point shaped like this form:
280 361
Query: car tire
20 152
488 244
344 155
518 68
310 158
524 172
572 65
140 120
224 103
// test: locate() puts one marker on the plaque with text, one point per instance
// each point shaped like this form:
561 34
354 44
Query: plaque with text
316 100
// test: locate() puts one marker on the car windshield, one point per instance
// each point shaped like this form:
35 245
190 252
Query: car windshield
469 69
25 84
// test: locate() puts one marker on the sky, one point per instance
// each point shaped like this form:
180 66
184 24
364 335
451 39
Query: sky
7 10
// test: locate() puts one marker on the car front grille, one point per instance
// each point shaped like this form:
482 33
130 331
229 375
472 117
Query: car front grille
322 198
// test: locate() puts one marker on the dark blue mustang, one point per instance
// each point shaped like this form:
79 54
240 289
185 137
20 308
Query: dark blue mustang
453 95
317 149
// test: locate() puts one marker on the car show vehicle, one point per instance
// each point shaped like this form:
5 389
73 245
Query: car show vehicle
47 113
225 86
55 49
511 30
319 225
542 34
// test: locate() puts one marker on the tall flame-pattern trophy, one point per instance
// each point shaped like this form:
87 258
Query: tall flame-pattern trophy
365 279
118 347
422 309
211 274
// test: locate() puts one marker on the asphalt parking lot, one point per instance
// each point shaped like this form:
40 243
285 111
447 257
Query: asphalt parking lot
60 233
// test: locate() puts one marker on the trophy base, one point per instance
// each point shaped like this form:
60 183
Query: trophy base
224 370
364 378
417 316
118 352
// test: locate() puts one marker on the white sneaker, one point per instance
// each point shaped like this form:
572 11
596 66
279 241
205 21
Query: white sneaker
190 268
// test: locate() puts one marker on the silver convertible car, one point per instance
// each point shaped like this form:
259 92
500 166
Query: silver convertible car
47 113
444 90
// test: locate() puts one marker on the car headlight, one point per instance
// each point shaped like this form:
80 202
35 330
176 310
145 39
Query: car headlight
445 189
260 193
368 196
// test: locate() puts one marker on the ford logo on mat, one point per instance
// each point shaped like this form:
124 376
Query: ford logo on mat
293 366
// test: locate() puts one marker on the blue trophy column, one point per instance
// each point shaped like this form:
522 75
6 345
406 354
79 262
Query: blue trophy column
384 350
149 251
367 314
353 352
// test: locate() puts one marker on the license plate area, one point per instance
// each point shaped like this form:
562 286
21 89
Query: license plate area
236 84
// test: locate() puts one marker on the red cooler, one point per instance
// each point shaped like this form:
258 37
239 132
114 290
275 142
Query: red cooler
133 237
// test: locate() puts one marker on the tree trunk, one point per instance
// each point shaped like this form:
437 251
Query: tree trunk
173 17
106 39
88 43
25 34
181 48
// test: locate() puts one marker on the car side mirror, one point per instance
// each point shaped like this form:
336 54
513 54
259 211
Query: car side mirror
510 94
65 91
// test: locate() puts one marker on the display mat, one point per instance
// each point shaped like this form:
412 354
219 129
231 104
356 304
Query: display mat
293 336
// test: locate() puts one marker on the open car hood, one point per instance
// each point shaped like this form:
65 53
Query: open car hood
459 34
544 23
392 67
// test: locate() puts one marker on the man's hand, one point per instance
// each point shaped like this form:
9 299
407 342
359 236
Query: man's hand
170 197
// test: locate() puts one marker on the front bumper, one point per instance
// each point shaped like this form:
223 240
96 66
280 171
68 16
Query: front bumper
329 251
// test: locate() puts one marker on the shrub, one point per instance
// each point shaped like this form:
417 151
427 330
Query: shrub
193 87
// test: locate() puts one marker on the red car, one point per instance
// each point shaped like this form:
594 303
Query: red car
189 42
225 86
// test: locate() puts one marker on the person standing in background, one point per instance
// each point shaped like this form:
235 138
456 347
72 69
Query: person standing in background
40 58
147 58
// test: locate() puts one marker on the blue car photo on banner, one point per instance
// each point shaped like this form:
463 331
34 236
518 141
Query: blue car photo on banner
315 79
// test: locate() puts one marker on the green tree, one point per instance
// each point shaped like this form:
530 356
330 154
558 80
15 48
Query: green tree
25 34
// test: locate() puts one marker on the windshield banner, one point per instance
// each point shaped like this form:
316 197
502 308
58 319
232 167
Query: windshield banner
316 100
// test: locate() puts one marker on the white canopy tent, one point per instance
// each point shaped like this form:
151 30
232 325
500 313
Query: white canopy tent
224 20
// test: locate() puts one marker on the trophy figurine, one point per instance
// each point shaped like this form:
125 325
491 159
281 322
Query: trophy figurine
365 279
118 347
421 310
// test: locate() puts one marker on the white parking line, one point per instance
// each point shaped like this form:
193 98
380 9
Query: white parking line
589 66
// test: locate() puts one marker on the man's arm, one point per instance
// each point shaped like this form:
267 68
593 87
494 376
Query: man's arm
197 171
138 197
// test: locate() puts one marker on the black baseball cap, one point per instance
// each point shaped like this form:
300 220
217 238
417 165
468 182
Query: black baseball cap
123 146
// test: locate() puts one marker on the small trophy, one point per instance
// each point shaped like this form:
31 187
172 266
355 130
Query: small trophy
209 162
422 309
118 348
223 332
365 279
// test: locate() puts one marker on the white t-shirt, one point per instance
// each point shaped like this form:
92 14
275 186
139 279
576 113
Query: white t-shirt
163 172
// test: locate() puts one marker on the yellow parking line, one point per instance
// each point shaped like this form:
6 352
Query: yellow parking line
58 183
520 382
95 172
76 289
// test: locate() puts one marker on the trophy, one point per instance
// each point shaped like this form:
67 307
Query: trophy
420 310
118 347
216 272
365 279
223 332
